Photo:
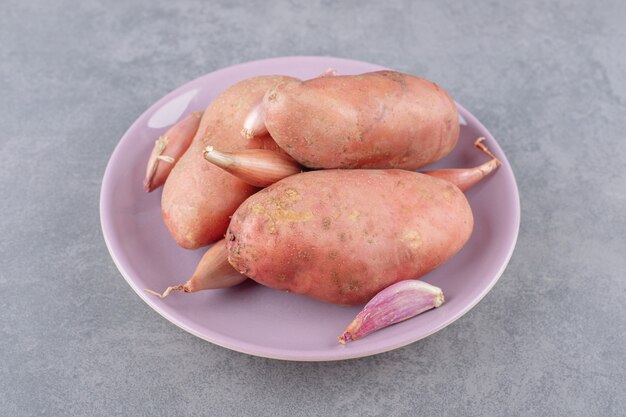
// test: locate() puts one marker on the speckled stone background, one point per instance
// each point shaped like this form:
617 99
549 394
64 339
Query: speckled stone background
547 78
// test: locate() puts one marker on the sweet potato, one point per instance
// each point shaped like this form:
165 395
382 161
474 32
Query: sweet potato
341 236
198 198
382 119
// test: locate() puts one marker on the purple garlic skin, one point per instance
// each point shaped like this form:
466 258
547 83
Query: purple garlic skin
396 303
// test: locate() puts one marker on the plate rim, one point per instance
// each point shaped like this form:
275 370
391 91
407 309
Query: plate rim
283 354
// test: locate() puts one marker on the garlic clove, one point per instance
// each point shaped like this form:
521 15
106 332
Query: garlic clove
254 125
396 303
466 178
153 161
168 148
213 272
257 167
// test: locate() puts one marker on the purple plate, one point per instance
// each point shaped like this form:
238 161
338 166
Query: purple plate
264 322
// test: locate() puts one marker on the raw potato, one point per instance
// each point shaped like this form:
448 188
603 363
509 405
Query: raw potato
198 197
382 119
341 236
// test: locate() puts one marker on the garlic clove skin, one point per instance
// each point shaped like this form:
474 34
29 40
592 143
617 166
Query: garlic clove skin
396 303
257 167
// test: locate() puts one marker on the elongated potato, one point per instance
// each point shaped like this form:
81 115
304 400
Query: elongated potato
198 198
382 119
341 236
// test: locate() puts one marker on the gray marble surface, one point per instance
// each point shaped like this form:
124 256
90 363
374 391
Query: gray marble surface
547 78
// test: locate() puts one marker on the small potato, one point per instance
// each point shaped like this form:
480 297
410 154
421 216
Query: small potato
341 236
198 197
382 119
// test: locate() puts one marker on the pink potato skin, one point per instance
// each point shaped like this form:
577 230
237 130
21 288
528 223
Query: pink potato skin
341 236
382 119
199 197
